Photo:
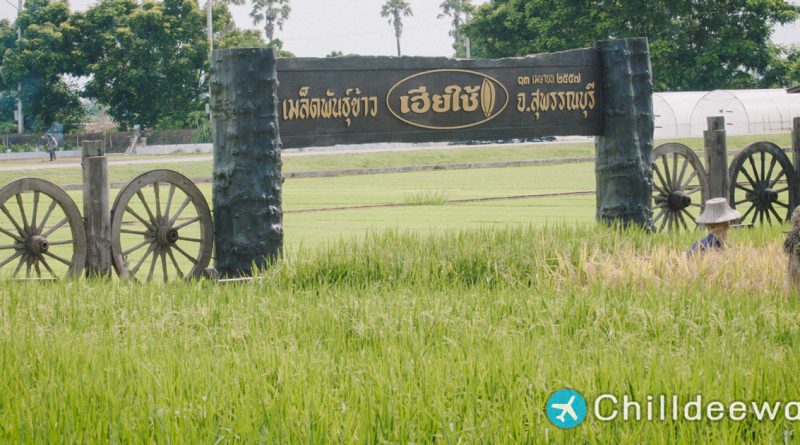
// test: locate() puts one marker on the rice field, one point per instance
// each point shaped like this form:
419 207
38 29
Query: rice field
403 338
427 322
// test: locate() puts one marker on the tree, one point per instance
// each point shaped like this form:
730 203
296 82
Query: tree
694 45
395 10
459 11
145 59
38 61
272 13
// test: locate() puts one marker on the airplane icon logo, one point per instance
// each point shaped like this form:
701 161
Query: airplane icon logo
566 408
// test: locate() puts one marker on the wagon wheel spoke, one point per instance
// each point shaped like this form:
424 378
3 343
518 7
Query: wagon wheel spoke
693 190
143 259
58 258
777 217
174 262
782 204
659 215
755 169
745 189
683 171
765 213
164 264
158 201
681 220
22 260
187 223
772 163
744 216
46 216
142 220
156 254
665 185
10 235
169 201
46 265
146 206
180 210
777 178
689 215
183 252
25 225
137 247
35 210
666 173
13 221
16 255
752 182
689 179
57 226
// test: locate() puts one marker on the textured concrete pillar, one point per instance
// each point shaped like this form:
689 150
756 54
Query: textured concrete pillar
624 152
248 216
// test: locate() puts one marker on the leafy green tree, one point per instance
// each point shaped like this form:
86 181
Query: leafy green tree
38 61
694 45
458 11
395 10
272 13
146 60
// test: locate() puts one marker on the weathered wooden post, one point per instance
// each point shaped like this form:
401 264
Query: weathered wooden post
796 149
248 213
624 152
96 209
716 154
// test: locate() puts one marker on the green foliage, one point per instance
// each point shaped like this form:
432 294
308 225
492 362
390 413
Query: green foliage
459 11
694 45
145 59
38 61
242 38
272 13
395 10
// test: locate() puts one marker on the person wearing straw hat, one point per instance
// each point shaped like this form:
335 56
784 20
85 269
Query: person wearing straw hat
717 218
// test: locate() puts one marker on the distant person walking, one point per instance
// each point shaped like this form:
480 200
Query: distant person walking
717 218
51 144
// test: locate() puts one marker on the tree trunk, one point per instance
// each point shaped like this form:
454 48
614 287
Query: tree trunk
624 152
248 215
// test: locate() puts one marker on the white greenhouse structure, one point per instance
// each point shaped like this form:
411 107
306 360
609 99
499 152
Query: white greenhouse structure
683 114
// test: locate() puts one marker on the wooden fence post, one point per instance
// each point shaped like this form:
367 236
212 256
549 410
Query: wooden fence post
96 209
716 154
624 152
796 149
248 215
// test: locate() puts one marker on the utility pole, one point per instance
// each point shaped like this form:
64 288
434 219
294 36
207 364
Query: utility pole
20 120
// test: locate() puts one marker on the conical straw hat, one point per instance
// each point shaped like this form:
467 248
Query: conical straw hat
717 211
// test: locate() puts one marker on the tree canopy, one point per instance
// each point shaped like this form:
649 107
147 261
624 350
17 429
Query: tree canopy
395 10
694 45
37 61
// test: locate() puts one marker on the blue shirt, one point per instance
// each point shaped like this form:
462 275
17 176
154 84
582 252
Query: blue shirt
707 243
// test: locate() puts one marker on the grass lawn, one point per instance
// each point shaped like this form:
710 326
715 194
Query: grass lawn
123 173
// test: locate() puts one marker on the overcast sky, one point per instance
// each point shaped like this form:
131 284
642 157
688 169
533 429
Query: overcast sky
317 27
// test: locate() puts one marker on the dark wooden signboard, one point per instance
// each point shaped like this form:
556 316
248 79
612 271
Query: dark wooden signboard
353 100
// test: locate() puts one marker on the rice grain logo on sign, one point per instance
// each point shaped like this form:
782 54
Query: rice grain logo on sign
447 99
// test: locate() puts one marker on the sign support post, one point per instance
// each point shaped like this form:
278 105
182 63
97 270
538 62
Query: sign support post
248 215
624 152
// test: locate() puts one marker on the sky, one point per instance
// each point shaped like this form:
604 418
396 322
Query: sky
317 27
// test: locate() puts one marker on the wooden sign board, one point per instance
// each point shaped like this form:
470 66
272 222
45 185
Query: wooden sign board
353 100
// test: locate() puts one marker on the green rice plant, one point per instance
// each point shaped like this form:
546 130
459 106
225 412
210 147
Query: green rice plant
425 198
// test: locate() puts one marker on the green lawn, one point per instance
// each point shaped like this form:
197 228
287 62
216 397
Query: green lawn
124 173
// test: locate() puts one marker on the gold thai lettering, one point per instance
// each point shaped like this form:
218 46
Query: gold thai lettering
583 101
454 99
351 105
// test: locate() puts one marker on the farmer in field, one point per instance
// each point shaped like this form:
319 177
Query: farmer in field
51 143
717 217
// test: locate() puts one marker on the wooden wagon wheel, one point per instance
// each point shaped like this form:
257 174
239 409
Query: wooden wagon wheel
41 230
763 184
679 187
161 228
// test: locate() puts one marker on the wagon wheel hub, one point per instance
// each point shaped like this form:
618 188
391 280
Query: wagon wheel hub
167 235
678 201
38 244
768 196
